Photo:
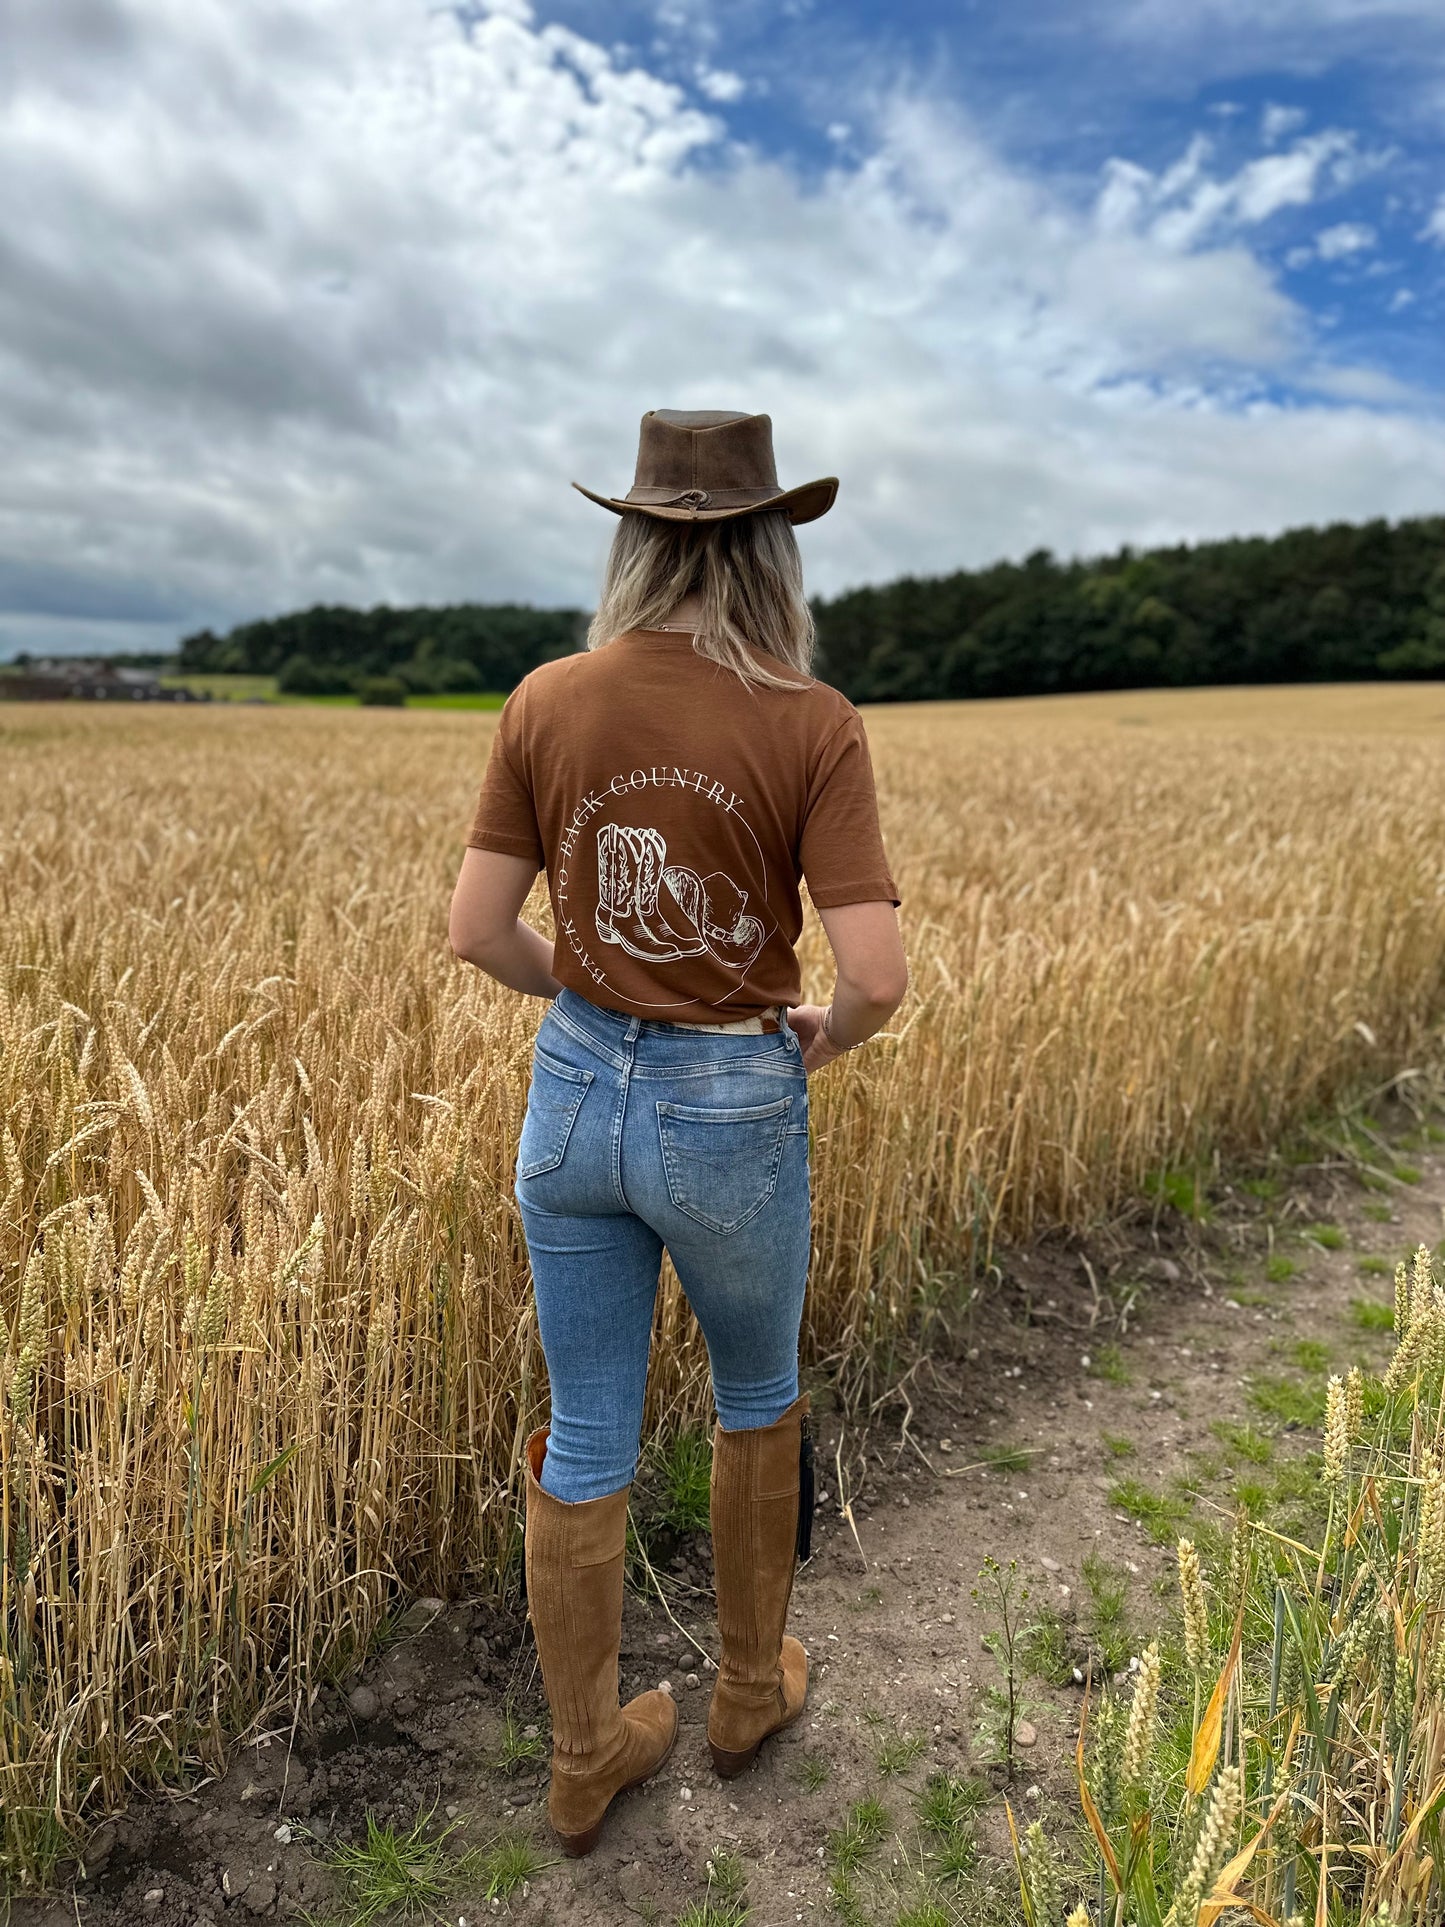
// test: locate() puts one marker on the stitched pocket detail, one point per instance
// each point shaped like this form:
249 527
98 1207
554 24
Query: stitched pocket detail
721 1164
553 1102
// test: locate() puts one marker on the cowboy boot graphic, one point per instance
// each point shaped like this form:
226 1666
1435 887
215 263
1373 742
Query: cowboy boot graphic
629 871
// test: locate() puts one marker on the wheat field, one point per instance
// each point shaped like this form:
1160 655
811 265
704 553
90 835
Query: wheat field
268 1348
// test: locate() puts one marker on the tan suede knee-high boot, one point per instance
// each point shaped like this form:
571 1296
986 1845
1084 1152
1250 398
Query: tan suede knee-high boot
574 1559
763 1675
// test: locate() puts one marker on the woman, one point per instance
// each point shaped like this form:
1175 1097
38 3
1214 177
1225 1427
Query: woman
675 781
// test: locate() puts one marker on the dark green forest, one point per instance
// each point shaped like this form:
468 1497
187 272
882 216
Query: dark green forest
1344 603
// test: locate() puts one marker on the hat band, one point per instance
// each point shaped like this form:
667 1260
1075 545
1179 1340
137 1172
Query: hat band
699 498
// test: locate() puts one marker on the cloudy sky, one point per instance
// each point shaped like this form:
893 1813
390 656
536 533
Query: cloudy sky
329 300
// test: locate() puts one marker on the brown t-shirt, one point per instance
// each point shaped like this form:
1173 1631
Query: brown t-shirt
675 808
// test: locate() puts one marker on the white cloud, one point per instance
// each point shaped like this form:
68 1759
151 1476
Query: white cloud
329 300
719 85
1434 228
1277 121
1347 237
1359 384
1185 205
1401 299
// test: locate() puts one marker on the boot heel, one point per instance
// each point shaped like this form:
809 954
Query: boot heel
730 1765
574 1845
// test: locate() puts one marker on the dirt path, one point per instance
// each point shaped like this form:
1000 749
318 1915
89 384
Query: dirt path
1228 1330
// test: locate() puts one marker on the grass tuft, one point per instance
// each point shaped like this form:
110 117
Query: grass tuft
948 1803
391 1872
1243 1441
519 1750
1160 1513
682 1467
898 1752
1108 1364
503 1866
859 1836
1108 1593
1328 1235
1287 1401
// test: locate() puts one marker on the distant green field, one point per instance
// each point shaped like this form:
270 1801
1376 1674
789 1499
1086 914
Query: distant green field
236 689
463 699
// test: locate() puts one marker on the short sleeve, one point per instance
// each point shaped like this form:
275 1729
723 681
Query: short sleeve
840 851
506 816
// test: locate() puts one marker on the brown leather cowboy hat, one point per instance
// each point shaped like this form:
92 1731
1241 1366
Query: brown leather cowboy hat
707 465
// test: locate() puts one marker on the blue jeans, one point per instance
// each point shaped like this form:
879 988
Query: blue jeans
640 1135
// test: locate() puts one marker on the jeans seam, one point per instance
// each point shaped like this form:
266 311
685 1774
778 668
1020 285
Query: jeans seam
585 1037
618 1120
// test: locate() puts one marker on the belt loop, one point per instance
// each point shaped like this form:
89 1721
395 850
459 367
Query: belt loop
634 1027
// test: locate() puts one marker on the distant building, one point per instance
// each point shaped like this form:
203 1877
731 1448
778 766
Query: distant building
87 679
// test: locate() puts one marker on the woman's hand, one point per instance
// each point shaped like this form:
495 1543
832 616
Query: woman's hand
818 1046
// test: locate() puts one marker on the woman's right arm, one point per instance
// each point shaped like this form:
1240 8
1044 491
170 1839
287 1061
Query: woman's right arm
486 928
871 983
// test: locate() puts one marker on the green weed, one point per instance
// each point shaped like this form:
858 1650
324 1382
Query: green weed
519 1750
947 1803
1311 1356
683 1469
1287 1401
1179 1189
1107 1590
727 1877
1108 1364
508 1863
711 1913
860 1834
394 1872
1159 1513
923 1913
1262 1188
1328 1235
898 1752
1243 1441
1045 1649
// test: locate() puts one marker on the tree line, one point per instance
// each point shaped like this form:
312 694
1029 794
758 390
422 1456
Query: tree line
1349 602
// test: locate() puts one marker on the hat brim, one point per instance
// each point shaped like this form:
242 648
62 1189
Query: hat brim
802 504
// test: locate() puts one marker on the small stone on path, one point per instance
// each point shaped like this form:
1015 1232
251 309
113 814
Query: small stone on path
1026 1734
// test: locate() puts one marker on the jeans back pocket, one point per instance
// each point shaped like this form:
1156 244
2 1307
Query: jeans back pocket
721 1164
553 1102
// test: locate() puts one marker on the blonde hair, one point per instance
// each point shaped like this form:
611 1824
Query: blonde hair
748 572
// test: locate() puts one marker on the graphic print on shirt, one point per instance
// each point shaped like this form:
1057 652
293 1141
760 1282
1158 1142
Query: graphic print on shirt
653 905
661 911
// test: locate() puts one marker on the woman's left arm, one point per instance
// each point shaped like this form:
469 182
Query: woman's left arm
486 929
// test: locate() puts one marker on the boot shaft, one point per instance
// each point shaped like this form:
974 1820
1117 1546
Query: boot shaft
754 1507
574 1562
